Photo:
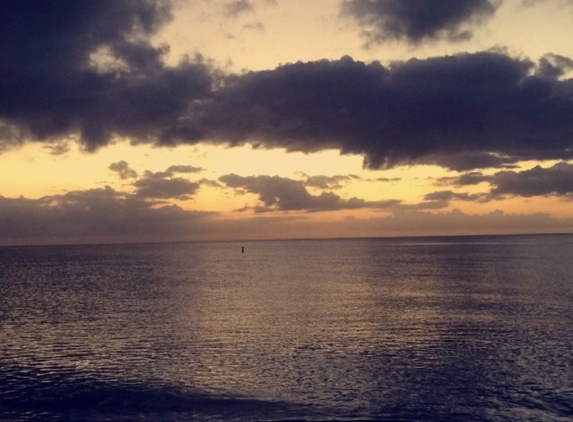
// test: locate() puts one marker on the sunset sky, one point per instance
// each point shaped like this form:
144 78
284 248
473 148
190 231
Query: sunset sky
142 120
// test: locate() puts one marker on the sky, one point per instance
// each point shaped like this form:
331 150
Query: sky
184 120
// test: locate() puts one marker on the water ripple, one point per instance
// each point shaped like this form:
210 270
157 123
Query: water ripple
322 330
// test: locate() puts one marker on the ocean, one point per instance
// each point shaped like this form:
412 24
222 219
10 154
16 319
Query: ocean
403 329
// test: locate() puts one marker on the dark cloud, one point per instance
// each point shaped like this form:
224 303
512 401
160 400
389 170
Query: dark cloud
238 7
88 68
284 194
418 20
538 181
159 186
472 160
554 66
463 111
92 215
11 136
123 170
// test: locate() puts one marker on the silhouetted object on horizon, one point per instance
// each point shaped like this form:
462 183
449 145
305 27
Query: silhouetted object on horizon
242 249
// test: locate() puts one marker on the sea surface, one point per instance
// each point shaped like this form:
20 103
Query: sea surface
409 329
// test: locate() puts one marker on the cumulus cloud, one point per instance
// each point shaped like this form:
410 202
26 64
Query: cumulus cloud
463 111
89 69
184 169
418 20
284 194
159 186
123 170
538 181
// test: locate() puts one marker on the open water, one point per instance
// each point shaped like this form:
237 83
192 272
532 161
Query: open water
419 329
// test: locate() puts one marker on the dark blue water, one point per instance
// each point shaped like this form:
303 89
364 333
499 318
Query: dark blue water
428 329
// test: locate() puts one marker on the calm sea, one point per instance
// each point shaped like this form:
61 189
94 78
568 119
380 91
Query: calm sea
420 329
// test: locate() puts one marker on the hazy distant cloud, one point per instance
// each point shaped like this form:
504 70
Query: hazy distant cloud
329 182
57 148
284 194
455 222
441 199
184 169
92 215
556 2
418 20
387 179
105 215
556 180
238 7
466 179
159 186
255 26
123 170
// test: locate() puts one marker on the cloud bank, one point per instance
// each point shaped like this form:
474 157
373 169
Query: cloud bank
89 70
462 112
106 215
92 215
